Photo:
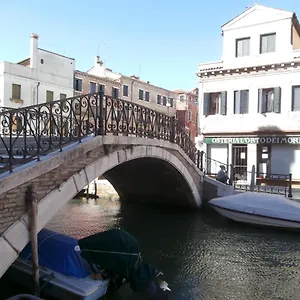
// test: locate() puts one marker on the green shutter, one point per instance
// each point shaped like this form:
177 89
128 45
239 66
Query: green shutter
223 103
261 102
277 98
206 104
237 102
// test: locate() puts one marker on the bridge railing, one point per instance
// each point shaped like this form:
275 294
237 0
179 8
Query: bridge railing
30 132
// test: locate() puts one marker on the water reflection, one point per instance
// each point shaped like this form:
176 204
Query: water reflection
202 255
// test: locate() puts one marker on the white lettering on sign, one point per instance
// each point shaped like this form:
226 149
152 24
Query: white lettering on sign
254 140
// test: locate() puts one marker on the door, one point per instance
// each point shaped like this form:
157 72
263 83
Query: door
263 160
239 161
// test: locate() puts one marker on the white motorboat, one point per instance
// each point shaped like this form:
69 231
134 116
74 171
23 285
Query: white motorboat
259 209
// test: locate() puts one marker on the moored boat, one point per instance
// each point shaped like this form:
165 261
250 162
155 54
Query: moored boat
64 274
88 268
259 209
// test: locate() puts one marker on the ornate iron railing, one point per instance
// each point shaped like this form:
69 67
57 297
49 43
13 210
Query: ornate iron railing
28 133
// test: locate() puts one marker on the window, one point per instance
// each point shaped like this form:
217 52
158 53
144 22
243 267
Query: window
147 96
171 101
164 100
158 99
78 85
269 100
241 101
181 98
196 119
61 97
101 88
115 93
296 98
215 103
242 47
141 95
267 43
125 90
190 116
16 91
49 96
93 86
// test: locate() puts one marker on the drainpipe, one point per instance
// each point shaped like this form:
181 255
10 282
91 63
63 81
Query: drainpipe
37 93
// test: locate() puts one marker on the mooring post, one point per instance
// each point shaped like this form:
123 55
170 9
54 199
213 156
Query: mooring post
290 194
95 187
252 179
31 201
88 191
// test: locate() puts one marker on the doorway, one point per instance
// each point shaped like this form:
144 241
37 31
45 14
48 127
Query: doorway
263 160
239 161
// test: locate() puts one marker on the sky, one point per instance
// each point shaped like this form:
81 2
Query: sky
162 41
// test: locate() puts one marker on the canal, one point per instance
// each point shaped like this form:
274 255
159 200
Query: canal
202 255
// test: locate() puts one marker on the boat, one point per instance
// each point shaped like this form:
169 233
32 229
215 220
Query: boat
259 209
64 274
87 268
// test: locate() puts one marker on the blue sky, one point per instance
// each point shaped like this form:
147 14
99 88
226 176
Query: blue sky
162 41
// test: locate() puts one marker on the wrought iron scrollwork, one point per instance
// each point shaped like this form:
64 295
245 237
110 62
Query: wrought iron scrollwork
30 132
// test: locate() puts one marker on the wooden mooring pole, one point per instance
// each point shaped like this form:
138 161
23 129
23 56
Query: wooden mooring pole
95 186
31 201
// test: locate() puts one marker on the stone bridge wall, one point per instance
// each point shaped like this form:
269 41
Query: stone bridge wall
57 174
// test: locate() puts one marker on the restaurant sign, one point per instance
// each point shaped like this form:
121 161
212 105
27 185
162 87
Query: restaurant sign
253 140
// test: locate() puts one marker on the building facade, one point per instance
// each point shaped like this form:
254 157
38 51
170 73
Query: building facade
129 88
43 77
250 100
187 111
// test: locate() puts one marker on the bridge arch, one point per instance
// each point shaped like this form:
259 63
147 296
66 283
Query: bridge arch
49 206
59 177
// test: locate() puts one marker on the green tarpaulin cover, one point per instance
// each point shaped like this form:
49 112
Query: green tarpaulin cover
118 251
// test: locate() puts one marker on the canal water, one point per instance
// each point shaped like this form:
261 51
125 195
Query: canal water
202 255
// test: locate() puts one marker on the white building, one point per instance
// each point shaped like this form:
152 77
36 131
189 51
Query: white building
43 77
249 102
133 89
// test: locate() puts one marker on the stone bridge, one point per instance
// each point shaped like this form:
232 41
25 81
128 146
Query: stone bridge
59 147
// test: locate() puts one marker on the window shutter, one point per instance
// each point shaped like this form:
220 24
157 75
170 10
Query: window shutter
237 102
206 104
261 102
244 101
277 98
223 103
296 98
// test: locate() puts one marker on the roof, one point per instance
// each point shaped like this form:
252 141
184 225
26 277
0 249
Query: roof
56 54
24 62
179 91
252 8
92 76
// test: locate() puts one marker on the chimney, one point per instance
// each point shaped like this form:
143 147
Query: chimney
33 50
97 58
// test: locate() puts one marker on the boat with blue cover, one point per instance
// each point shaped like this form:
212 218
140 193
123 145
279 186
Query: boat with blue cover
88 268
64 273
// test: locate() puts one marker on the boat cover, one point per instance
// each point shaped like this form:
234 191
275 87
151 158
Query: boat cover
57 252
270 205
117 251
